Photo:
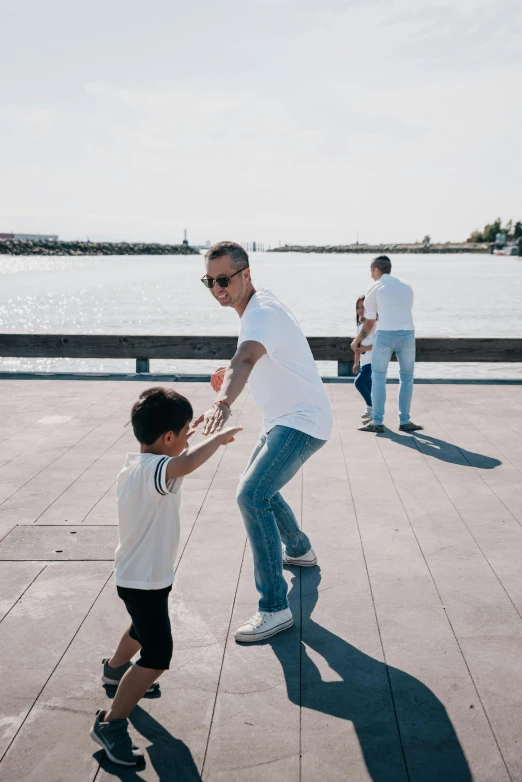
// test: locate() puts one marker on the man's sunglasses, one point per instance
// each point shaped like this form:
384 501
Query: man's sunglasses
223 282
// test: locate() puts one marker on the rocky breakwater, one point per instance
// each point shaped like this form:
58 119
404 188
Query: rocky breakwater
24 247
385 249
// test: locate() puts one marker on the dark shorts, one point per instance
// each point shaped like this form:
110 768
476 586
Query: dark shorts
149 611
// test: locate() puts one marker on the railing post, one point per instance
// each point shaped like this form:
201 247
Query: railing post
142 366
344 368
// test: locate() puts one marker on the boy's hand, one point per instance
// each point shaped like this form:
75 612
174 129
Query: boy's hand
228 434
216 381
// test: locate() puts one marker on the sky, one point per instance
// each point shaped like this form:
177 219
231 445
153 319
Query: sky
279 121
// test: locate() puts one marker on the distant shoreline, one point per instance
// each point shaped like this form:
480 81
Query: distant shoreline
24 247
376 249
52 248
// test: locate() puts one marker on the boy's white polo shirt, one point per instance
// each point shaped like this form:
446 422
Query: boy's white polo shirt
148 523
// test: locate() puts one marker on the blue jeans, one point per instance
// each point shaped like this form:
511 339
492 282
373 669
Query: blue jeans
268 519
386 343
363 383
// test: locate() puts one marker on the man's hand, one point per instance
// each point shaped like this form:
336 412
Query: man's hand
215 418
365 331
216 381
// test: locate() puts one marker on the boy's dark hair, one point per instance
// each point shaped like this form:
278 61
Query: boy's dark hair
383 263
159 410
238 254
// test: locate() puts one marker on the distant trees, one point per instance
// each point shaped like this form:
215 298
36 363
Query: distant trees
492 229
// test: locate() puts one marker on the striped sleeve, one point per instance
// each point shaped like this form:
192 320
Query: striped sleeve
160 475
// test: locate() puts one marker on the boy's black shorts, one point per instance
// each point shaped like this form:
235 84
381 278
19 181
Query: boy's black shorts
149 611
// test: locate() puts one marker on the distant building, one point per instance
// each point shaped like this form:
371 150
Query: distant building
30 237
36 237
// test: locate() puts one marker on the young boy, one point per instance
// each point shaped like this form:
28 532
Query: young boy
148 493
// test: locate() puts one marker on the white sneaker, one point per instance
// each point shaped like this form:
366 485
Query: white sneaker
263 625
306 560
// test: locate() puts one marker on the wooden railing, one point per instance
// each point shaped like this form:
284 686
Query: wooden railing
145 348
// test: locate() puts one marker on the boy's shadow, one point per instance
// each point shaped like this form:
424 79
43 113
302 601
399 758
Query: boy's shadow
398 720
442 450
170 757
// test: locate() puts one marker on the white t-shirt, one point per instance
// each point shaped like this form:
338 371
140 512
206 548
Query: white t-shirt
284 382
392 300
366 358
148 523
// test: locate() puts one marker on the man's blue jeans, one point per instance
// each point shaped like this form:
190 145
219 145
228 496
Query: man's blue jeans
386 343
277 457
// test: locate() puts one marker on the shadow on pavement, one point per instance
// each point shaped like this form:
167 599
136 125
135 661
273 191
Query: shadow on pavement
170 757
403 729
442 450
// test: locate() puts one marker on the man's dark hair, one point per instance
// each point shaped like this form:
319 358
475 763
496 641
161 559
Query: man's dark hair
383 263
238 255
159 410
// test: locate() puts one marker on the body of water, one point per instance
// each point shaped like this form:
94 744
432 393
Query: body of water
455 295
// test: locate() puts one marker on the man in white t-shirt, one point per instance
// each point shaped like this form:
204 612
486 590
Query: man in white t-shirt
388 307
274 357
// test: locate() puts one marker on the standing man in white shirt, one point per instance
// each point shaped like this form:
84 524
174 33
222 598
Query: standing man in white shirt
273 355
391 300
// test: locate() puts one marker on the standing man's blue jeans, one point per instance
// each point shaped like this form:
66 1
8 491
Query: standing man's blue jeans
386 343
277 457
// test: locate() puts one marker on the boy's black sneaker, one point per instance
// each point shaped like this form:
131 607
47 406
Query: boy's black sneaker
115 740
113 676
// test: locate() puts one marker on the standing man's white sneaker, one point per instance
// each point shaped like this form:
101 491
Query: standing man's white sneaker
306 560
263 625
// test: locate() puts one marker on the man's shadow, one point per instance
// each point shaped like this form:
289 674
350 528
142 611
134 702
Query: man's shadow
170 757
403 729
442 450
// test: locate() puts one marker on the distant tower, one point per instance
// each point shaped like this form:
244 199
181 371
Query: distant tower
185 240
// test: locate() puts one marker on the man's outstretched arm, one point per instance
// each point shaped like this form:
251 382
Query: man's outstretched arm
234 381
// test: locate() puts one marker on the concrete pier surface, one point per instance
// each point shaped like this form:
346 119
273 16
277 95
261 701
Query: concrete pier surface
405 660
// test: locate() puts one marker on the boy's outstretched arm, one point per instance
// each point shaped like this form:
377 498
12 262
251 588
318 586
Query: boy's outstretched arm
187 462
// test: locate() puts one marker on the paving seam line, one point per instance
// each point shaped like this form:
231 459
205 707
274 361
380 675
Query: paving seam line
392 697
447 617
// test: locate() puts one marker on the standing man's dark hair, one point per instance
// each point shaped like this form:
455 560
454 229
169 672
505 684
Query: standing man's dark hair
383 263
237 254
